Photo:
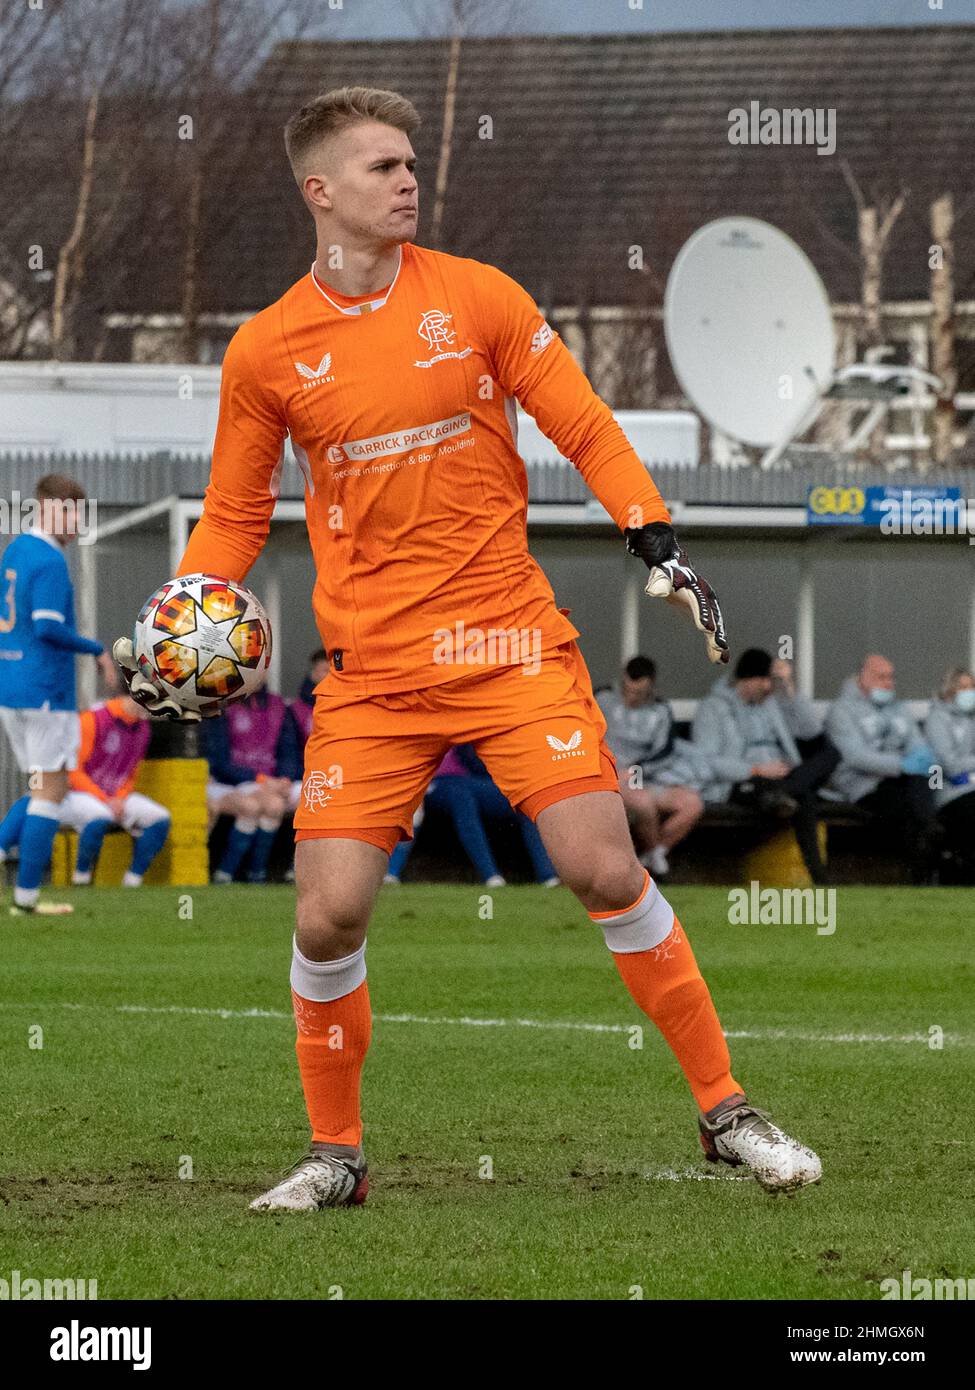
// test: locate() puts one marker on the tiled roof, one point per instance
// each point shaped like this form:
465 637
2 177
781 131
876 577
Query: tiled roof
600 143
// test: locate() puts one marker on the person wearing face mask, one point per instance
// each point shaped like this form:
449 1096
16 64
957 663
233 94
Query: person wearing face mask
950 730
740 729
885 763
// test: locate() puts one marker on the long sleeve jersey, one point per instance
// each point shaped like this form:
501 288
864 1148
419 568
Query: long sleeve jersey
38 640
401 412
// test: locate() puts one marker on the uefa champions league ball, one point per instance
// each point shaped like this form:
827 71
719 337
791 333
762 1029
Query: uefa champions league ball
205 640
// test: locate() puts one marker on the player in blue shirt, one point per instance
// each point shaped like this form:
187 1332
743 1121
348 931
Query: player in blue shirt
38 644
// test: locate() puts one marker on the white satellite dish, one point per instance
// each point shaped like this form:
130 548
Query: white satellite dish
749 330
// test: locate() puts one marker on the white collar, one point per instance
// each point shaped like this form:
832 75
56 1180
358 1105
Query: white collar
43 536
355 310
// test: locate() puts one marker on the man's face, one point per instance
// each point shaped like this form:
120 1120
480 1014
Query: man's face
754 689
364 180
877 673
318 670
60 519
637 692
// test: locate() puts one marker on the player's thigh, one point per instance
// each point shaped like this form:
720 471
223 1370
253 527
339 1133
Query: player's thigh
588 841
337 882
45 745
542 736
368 763
79 809
678 800
242 800
139 812
640 802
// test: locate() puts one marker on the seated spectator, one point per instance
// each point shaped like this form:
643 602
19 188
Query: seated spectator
885 763
464 789
798 711
950 730
743 733
300 711
252 750
316 673
114 739
640 734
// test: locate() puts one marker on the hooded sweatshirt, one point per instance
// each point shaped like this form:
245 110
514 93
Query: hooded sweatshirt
872 741
734 737
952 736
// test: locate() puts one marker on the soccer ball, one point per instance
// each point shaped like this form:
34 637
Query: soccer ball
205 640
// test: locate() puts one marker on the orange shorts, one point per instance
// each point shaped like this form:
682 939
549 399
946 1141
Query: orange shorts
369 758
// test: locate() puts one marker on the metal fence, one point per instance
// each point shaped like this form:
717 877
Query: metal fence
132 480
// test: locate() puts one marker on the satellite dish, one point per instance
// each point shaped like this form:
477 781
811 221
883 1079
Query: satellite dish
749 329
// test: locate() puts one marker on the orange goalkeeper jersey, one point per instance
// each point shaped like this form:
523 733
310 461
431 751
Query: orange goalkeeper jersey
401 412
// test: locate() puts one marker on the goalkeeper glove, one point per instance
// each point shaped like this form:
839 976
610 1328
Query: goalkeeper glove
672 578
144 690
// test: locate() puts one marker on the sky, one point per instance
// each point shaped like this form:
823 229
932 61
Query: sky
350 19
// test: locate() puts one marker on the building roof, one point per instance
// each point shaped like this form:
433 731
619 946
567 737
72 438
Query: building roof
601 143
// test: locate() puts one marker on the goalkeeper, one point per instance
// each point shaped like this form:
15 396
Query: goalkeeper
395 370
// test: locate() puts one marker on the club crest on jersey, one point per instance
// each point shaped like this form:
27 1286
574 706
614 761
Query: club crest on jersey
317 790
569 749
435 330
315 376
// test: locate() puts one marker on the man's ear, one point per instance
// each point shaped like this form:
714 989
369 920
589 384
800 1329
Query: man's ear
315 190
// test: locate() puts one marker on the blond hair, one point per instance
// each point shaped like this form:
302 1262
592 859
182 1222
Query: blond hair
335 111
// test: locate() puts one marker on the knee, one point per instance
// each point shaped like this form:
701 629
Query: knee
608 880
329 924
690 803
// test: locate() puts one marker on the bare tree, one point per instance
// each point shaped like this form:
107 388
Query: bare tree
223 43
71 258
875 222
943 362
456 20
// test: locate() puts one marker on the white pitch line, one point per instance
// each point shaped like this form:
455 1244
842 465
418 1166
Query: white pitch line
545 1025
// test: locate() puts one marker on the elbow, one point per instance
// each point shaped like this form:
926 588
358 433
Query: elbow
48 630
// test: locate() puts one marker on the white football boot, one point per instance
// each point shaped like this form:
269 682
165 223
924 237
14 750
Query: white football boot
736 1133
40 909
321 1179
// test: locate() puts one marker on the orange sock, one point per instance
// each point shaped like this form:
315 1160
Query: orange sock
332 1042
666 983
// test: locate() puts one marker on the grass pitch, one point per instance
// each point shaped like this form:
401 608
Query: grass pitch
153 1066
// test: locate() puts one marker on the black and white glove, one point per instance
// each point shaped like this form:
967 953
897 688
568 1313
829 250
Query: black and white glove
673 578
145 691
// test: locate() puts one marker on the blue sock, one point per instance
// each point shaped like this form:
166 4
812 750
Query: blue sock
239 842
148 845
13 823
398 858
36 842
90 844
261 853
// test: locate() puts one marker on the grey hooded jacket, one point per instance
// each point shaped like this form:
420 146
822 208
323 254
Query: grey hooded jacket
642 736
952 736
733 737
636 734
872 741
